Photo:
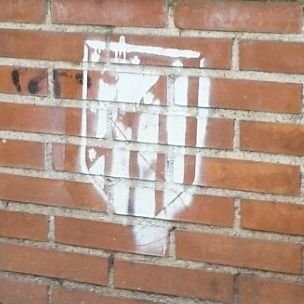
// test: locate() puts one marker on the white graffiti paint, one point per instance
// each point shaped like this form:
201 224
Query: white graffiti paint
137 88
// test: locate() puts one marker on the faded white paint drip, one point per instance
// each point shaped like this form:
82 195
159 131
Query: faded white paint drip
137 88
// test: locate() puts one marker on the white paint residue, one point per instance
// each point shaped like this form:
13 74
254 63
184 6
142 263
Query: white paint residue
101 127
128 87
120 163
146 162
121 197
137 88
181 85
176 130
144 202
92 154
120 130
148 128
204 92
98 167
179 169
201 129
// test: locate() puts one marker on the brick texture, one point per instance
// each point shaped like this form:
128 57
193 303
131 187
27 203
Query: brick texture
240 252
117 13
181 282
23 225
23 81
274 217
151 151
50 263
253 290
248 16
31 11
14 292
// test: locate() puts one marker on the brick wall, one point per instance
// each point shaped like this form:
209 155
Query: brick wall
151 152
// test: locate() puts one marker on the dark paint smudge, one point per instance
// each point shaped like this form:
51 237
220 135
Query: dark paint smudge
16 80
79 78
33 86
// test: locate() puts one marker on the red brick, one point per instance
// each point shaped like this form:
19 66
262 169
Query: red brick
32 11
173 281
271 216
244 175
149 240
51 192
257 290
249 16
21 154
54 264
175 206
23 225
212 52
15 292
31 44
23 81
69 84
272 137
65 296
239 252
272 56
141 13
47 119
253 96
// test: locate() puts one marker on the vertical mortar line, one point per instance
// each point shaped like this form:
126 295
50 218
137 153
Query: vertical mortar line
302 180
48 157
172 246
302 264
236 279
302 167
237 215
49 294
236 135
48 17
170 14
48 146
51 230
235 61
111 271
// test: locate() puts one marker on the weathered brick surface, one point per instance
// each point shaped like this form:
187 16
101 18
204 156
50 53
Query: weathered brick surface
118 12
31 11
239 16
151 151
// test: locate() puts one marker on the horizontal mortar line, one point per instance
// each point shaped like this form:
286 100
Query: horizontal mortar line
132 220
110 143
160 70
182 264
206 112
164 31
179 263
101 290
67 176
